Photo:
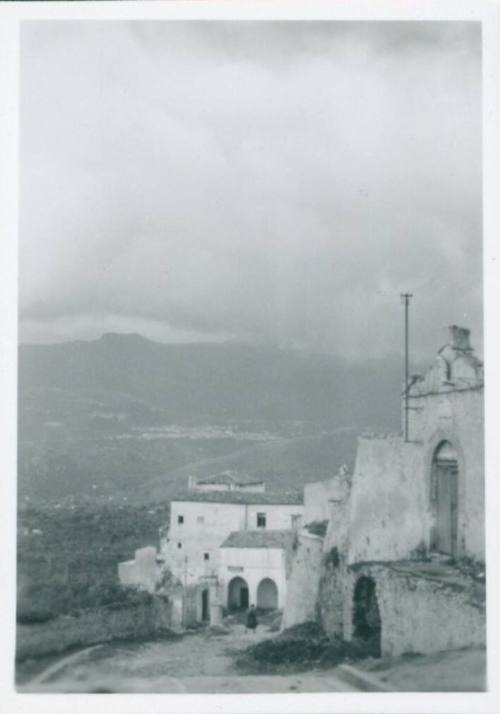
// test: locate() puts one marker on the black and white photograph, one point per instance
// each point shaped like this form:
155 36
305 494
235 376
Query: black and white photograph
250 372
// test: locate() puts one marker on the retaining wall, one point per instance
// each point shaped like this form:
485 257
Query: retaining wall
91 627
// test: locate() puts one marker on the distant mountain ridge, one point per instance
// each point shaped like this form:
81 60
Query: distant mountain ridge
116 417
219 380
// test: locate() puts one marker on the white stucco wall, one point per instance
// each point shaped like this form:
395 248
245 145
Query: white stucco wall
319 494
142 571
303 582
206 525
253 565
390 508
278 518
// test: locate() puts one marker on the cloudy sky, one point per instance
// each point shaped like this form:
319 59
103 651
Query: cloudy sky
276 183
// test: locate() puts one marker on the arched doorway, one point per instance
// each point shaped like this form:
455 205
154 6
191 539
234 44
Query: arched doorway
444 495
267 595
237 594
366 616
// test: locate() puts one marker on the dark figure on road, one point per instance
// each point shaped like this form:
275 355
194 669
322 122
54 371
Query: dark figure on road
252 619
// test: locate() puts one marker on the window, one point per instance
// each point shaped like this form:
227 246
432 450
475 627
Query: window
261 520
179 545
180 519
200 519
206 556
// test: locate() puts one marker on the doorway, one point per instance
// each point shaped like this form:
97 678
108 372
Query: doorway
205 605
237 594
445 499
367 625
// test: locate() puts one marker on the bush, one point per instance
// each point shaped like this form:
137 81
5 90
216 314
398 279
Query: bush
34 617
317 528
299 648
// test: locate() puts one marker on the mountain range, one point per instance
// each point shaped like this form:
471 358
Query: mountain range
123 417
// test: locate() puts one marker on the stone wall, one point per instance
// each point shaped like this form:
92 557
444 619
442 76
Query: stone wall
91 627
303 581
418 614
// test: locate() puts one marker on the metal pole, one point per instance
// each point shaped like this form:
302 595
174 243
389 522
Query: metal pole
405 297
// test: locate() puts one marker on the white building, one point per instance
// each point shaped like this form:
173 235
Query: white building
227 481
253 568
200 521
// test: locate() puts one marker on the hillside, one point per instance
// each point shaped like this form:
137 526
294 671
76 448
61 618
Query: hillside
125 417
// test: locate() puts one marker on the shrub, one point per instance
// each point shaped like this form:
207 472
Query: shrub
34 617
317 528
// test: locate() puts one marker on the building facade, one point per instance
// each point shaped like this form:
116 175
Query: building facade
402 560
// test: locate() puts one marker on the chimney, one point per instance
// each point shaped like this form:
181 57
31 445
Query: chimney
459 338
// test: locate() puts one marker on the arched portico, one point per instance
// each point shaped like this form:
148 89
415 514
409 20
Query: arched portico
267 595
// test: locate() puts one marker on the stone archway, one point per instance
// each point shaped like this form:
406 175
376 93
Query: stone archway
444 499
367 624
267 595
237 594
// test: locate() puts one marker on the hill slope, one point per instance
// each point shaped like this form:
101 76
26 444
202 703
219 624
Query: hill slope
108 417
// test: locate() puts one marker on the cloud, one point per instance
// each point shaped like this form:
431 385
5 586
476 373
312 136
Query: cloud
277 182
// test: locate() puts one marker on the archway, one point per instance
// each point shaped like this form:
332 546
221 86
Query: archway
444 496
366 621
267 595
237 594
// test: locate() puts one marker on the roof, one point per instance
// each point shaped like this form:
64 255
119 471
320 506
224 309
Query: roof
229 477
259 539
250 497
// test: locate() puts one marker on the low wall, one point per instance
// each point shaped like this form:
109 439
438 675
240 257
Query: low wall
423 615
303 582
429 616
91 627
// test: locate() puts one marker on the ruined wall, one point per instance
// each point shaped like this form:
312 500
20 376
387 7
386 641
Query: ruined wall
387 500
91 627
303 581
419 614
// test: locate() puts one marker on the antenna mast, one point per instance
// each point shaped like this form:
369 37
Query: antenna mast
405 300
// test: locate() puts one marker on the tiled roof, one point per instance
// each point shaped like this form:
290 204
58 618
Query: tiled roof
259 539
229 477
250 497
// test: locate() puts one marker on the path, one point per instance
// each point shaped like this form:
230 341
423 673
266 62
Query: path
202 661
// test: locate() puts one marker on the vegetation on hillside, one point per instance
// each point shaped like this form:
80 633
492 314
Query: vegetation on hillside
68 557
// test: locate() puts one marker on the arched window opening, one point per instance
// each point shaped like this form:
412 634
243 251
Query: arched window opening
367 624
444 499
267 595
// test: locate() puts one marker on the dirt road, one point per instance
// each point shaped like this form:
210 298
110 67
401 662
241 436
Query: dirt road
202 661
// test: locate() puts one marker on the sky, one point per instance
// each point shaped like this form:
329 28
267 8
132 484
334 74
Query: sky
269 182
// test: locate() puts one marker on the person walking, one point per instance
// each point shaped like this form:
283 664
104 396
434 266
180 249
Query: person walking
252 621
